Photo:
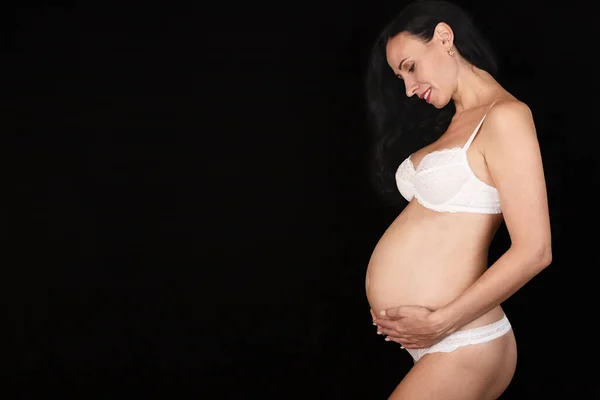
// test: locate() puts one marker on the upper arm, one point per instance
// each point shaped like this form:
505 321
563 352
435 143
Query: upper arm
513 157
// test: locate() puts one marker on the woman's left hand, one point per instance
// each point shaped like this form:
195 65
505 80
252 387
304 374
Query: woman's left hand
414 327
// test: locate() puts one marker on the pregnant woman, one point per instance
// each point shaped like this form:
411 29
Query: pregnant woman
428 281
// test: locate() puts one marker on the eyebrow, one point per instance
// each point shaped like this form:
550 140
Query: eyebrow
400 66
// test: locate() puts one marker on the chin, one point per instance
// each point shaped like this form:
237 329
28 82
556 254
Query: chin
440 106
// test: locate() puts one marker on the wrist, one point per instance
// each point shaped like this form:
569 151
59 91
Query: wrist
446 319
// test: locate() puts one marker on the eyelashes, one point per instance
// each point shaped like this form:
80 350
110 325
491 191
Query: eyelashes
410 69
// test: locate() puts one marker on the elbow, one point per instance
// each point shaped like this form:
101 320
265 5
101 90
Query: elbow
546 258
542 257
539 257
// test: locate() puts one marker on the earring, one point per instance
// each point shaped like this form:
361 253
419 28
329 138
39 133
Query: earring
451 53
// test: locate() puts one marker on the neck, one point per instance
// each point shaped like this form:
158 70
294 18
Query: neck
475 87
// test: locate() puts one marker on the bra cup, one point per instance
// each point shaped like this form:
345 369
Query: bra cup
406 189
405 176
441 158
444 182
439 186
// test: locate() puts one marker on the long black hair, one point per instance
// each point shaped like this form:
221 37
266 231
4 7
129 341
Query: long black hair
391 114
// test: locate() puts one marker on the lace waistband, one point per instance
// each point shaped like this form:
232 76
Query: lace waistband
480 333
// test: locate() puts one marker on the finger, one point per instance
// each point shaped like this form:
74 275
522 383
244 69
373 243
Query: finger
393 312
387 324
388 332
398 339
392 336
404 344
395 340
395 337
411 344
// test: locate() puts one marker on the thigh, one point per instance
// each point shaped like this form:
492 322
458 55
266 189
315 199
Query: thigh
478 372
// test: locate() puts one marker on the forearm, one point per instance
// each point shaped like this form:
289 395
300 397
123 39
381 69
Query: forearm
501 280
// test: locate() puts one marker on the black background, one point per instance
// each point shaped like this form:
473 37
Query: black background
193 213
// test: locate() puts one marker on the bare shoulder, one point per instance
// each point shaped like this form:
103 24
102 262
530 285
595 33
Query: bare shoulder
513 157
510 119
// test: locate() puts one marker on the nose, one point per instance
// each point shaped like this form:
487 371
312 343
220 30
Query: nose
411 88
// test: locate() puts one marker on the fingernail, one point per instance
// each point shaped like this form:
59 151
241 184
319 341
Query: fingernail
374 324
402 347
379 333
387 339
382 313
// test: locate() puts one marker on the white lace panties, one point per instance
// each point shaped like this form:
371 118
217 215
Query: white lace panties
467 337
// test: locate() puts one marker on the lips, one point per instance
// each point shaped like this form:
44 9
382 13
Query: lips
426 95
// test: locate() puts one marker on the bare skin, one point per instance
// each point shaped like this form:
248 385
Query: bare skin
481 372
430 258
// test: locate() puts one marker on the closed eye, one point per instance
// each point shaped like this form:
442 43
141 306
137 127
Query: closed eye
410 69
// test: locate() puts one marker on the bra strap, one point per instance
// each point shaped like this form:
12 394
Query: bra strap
466 146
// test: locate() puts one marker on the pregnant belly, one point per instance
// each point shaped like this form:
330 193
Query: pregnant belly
429 282
425 263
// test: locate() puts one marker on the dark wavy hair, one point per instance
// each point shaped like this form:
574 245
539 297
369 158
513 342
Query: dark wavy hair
391 115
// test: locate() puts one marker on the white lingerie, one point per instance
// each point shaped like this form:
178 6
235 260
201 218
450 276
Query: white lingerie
444 181
467 337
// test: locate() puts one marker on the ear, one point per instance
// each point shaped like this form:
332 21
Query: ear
445 35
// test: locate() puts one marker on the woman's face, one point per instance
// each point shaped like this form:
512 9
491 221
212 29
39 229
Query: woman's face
425 67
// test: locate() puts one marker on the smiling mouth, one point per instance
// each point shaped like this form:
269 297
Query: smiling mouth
426 95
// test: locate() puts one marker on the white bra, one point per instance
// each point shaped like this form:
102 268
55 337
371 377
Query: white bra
444 181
